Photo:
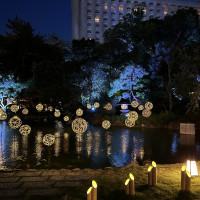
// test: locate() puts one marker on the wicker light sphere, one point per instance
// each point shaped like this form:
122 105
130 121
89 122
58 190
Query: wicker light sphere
96 105
25 111
14 108
25 129
140 107
108 106
39 107
133 115
106 124
1 110
50 108
66 118
15 122
89 106
57 113
3 116
48 139
79 125
124 106
79 112
130 122
146 113
134 104
148 106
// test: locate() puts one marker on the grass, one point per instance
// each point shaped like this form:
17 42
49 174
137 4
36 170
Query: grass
111 184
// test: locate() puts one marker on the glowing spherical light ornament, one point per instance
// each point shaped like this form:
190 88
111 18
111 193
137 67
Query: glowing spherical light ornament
1 110
106 124
48 139
148 106
57 113
79 112
66 118
96 105
89 106
14 108
50 108
130 122
25 111
133 115
108 106
79 125
3 116
134 104
140 107
15 122
39 107
124 106
146 113
25 129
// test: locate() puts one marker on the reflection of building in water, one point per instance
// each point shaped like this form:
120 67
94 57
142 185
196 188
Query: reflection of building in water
187 139
79 140
89 143
14 148
66 143
24 145
57 143
108 143
97 142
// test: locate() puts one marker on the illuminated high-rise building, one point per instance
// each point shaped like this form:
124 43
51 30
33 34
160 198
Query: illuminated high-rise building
90 18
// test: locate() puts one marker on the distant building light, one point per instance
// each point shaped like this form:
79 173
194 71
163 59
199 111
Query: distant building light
97 19
165 12
121 8
105 6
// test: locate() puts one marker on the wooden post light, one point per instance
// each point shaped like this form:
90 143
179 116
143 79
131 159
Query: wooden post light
94 190
183 177
188 182
131 185
89 194
154 174
127 186
150 176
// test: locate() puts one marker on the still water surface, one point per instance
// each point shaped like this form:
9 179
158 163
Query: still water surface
96 148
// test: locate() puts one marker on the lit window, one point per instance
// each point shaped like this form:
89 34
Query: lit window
165 5
105 6
121 8
112 7
90 38
144 10
96 19
165 12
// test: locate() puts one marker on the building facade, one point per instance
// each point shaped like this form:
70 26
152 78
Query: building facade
90 18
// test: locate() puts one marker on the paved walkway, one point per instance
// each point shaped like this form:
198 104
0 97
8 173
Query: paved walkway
18 185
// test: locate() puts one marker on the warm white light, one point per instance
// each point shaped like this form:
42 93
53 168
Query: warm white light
192 167
124 106
96 19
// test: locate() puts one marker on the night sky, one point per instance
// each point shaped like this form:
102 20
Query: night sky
45 16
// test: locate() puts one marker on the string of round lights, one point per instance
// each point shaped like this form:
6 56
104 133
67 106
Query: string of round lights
79 125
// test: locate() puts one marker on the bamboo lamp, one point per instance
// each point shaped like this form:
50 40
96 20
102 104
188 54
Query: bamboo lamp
89 194
188 182
127 186
94 190
183 177
150 176
131 185
154 174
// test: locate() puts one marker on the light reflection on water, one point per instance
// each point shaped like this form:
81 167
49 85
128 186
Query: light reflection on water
94 149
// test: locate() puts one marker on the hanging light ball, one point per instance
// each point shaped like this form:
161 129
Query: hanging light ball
133 115
1 110
79 125
39 107
79 112
25 111
140 107
50 108
14 108
48 139
57 113
130 122
89 106
146 113
96 105
134 104
148 106
106 124
66 118
25 129
15 122
124 106
3 116
108 106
